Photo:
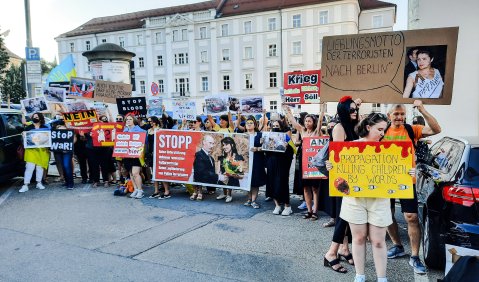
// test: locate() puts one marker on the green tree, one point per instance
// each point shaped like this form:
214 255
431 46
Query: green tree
47 66
4 58
12 85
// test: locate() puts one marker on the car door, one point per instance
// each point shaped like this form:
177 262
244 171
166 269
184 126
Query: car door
11 129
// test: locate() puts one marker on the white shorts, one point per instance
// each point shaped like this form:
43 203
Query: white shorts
375 211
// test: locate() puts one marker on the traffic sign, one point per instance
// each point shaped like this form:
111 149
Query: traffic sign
32 53
34 67
154 89
34 78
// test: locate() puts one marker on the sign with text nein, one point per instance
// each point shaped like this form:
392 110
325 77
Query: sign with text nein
81 120
62 140
129 145
311 146
301 87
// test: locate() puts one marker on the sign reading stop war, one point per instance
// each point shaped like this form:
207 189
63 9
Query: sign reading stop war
62 140
371 169
129 145
373 66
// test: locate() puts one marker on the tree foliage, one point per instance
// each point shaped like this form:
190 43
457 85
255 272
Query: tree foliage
4 58
13 84
47 66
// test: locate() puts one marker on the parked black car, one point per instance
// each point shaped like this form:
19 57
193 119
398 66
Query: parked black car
448 192
11 129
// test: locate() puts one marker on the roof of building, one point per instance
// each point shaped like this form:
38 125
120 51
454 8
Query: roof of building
224 8
11 54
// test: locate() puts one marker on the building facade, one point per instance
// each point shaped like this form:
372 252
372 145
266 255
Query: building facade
241 48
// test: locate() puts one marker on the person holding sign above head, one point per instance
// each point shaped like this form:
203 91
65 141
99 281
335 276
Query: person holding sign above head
133 165
426 82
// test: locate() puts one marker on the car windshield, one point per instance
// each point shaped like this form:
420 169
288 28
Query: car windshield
472 172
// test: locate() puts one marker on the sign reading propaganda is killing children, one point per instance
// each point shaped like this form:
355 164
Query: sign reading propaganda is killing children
36 139
82 88
81 120
129 145
106 91
390 67
55 94
62 140
135 106
217 105
371 169
301 87
203 158
104 134
311 146
183 109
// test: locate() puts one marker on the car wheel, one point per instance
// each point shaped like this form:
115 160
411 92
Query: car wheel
433 248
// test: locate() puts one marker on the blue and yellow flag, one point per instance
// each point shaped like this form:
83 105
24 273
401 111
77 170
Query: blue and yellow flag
63 72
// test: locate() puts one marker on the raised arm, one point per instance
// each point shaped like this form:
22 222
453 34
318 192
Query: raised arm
408 88
230 122
212 121
322 109
238 122
264 121
432 127
291 119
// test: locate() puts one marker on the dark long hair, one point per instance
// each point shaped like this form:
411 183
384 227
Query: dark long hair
41 117
345 120
229 141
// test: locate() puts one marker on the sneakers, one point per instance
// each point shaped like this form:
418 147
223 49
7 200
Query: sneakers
133 195
23 189
228 199
287 211
396 251
154 195
139 194
277 210
221 197
302 206
247 203
164 196
40 186
416 263
360 278
255 205
267 199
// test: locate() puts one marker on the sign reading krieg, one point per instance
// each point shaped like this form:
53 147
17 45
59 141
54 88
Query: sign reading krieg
81 120
104 134
129 144
371 169
302 87
311 146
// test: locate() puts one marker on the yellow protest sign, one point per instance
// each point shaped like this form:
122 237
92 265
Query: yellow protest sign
371 169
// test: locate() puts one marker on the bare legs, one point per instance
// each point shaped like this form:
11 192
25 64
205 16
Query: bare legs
377 236
136 178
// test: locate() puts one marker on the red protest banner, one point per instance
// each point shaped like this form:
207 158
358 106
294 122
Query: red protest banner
302 87
104 133
311 146
129 144
81 120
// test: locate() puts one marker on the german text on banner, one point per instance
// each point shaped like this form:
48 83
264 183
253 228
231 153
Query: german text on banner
62 140
129 145
371 169
203 158
81 120
302 87
311 146
104 134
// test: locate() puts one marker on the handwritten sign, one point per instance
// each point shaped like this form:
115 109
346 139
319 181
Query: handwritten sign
302 87
107 91
371 169
184 110
129 145
311 146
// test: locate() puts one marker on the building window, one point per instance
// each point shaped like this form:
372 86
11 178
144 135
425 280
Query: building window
204 56
87 45
226 82
103 40
202 32
184 34
273 105
158 36
141 62
321 45
247 27
377 21
248 53
89 68
181 58
161 86
296 21
271 24
248 82
204 83
272 50
323 17
121 40
376 107
273 79
159 60
182 86
226 54
139 39
224 30
72 47
297 48
142 87
176 35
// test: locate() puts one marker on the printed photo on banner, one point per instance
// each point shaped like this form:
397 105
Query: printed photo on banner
62 140
183 109
76 106
275 141
155 106
81 120
301 87
311 146
234 104
33 105
37 139
371 169
81 88
390 67
216 105
454 253
135 106
104 134
54 94
100 108
252 105
106 91
203 158
129 145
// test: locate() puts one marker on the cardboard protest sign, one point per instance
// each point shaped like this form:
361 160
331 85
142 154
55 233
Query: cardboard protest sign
301 87
62 140
155 107
183 109
106 91
81 120
275 141
371 169
252 105
76 106
34 105
82 88
36 139
203 158
129 145
104 134
217 105
54 94
376 66
454 253
311 146
135 106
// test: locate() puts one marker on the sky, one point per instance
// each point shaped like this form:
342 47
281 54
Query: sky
50 18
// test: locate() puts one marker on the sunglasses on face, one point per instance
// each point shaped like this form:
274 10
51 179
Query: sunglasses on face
353 110
119 119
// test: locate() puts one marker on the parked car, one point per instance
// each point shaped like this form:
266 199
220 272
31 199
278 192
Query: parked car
448 193
11 129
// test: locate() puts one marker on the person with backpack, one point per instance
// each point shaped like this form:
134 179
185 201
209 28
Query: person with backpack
399 130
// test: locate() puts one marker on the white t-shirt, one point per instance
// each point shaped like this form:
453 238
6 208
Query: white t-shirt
428 88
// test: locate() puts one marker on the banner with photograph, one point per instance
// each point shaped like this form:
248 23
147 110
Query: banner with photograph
34 105
135 106
129 144
55 94
234 104
217 105
275 141
252 105
100 108
81 120
183 109
62 140
302 87
108 92
390 67
203 158
82 88
38 138
311 146
371 169
104 134
76 106
155 107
